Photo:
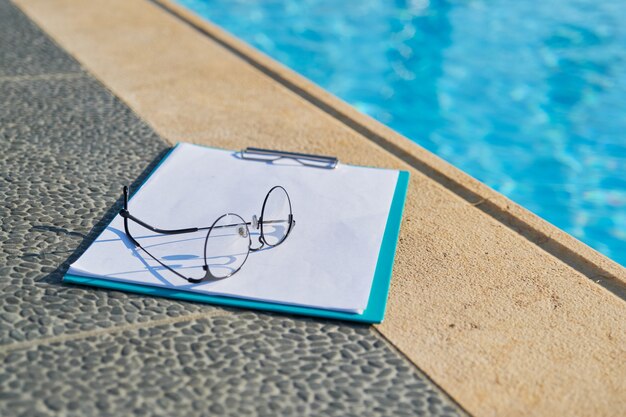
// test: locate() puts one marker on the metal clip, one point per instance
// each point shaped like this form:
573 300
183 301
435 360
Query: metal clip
271 156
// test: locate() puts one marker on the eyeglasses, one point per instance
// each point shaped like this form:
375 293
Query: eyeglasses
228 241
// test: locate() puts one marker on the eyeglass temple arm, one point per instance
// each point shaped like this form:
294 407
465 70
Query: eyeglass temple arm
126 214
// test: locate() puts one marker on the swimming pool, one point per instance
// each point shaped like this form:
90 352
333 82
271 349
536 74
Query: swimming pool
528 97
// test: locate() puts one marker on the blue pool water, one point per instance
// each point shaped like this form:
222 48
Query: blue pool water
528 96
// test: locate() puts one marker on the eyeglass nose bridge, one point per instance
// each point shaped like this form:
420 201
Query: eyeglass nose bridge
260 247
208 276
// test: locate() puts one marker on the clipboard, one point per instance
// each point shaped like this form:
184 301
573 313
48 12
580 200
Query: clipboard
376 303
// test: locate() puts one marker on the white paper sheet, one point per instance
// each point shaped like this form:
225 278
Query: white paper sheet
328 260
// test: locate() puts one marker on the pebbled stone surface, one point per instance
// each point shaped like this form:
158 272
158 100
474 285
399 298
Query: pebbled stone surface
232 365
66 147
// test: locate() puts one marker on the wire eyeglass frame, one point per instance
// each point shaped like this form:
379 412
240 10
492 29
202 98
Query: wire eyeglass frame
256 223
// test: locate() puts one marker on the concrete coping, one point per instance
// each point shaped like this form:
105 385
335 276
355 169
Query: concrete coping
507 313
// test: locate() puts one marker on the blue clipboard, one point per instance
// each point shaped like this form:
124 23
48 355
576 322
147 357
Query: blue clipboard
376 305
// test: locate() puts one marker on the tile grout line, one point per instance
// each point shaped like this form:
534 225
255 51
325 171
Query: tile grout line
44 77
111 330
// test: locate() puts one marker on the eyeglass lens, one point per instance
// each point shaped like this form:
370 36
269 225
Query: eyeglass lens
227 245
275 216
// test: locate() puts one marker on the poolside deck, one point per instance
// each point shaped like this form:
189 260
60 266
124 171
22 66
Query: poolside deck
501 310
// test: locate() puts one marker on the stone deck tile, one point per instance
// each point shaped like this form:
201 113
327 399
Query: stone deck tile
246 364
68 146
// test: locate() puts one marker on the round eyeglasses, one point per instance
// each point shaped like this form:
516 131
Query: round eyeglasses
228 241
